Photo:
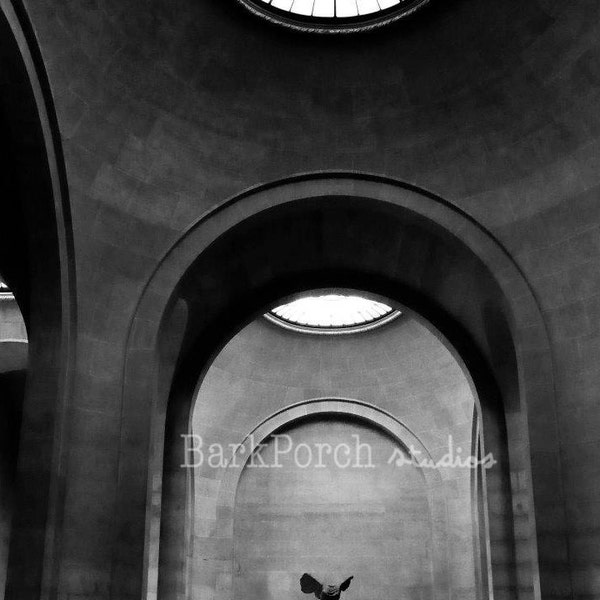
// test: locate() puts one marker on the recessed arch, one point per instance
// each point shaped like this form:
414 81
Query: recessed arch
337 407
415 248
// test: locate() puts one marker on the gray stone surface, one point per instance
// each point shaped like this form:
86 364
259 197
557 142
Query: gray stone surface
374 524
13 366
402 369
168 108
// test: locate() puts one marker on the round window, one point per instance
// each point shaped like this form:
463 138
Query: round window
332 312
333 16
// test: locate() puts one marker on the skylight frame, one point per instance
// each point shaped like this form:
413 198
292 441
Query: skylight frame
387 314
335 24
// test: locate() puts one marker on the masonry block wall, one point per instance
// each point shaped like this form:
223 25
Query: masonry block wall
13 369
374 524
166 109
12 326
401 368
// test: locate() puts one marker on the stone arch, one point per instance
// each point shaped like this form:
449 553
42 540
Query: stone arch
36 260
409 246
381 419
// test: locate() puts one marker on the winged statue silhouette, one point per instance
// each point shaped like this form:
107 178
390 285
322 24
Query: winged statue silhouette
309 585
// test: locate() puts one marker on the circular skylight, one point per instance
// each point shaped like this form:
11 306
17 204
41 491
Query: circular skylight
333 16
332 313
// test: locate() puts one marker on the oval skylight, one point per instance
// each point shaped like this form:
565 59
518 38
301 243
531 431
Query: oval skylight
332 313
331 16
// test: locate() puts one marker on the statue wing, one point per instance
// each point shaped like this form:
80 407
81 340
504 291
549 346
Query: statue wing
309 585
346 584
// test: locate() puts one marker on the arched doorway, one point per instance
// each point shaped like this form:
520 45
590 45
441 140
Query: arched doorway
341 479
370 523
330 230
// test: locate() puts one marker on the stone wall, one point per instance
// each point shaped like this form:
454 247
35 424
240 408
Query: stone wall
168 108
13 365
401 368
12 326
374 524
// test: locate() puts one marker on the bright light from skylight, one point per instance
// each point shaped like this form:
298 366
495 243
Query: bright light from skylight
332 8
332 312
333 16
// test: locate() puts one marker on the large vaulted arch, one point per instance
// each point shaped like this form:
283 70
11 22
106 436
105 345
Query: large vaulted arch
346 230
36 260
